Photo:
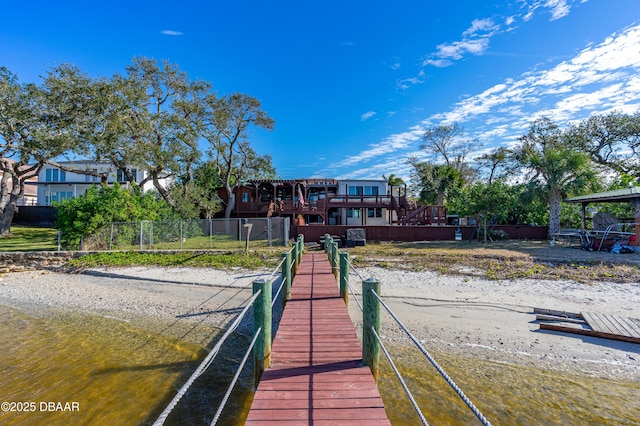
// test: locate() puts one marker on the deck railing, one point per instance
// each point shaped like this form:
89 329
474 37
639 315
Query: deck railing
262 302
372 344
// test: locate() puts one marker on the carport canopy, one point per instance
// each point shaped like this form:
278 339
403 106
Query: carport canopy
625 195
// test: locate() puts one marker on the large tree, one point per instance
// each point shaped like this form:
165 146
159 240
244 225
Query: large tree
553 168
28 139
612 140
227 129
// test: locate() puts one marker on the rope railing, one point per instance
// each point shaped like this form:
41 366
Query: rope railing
235 378
206 362
400 378
371 325
261 343
433 362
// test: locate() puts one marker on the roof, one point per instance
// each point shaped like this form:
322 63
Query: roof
615 196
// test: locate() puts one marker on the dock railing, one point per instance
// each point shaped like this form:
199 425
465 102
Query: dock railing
372 344
262 302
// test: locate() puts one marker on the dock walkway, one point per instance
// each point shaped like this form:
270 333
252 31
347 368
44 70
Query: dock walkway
316 374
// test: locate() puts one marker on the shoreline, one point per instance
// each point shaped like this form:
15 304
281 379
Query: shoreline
465 316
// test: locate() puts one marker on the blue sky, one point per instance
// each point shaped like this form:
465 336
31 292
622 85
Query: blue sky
352 85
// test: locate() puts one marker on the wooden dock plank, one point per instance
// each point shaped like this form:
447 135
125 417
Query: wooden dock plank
316 376
611 324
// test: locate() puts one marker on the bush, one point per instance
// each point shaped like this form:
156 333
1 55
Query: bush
88 213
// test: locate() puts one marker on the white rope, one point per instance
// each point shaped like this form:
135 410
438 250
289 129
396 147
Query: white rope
399 376
235 378
353 293
275 298
355 270
433 362
276 270
204 364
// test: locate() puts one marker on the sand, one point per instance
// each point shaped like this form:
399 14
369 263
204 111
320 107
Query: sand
466 316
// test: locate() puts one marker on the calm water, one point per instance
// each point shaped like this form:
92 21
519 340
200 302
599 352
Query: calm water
122 374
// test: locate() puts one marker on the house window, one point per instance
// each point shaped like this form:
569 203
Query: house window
363 190
89 178
355 190
375 212
122 177
353 212
55 175
245 197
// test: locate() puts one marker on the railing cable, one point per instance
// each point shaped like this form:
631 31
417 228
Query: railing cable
433 362
206 362
277 268
235 377
355 270
399 376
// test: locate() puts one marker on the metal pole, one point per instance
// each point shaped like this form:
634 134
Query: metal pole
262 322
59 238
370 320
140 235
110 238
181 235
210 233
344 277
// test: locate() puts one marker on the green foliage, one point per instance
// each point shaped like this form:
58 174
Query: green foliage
554 168
499 202
183 259
88 213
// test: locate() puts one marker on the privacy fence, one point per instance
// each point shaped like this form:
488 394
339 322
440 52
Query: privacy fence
189 234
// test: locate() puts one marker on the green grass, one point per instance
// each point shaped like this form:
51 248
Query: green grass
30 239
223 259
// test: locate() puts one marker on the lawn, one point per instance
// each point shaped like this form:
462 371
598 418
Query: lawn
30 239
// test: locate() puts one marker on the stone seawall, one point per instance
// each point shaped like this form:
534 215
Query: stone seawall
23 261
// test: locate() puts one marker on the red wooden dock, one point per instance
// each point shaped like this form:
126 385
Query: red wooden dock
316 374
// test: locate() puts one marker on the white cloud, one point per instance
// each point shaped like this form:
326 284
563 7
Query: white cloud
367 115
172 33
559 8
602 78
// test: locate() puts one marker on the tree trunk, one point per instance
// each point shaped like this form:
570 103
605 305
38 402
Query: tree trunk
554 211
6 217
228 209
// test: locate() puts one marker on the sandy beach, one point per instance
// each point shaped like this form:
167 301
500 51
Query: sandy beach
467 316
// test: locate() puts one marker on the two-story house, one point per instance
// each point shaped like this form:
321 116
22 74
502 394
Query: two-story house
55 184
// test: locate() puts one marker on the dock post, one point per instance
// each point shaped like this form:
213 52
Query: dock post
294 257
300 247
335 264
286 275
344 277
370 320
262 321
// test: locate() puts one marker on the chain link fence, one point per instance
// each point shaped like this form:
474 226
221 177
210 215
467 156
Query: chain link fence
189 234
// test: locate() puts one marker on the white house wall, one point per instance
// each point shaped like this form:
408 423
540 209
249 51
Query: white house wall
366 216
62 185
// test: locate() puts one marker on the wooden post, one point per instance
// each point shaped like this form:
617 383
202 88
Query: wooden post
300 247
334 260
344 277
294 257
286 275
262 320
370 319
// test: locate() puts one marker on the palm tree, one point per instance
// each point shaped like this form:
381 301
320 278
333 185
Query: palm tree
554 169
